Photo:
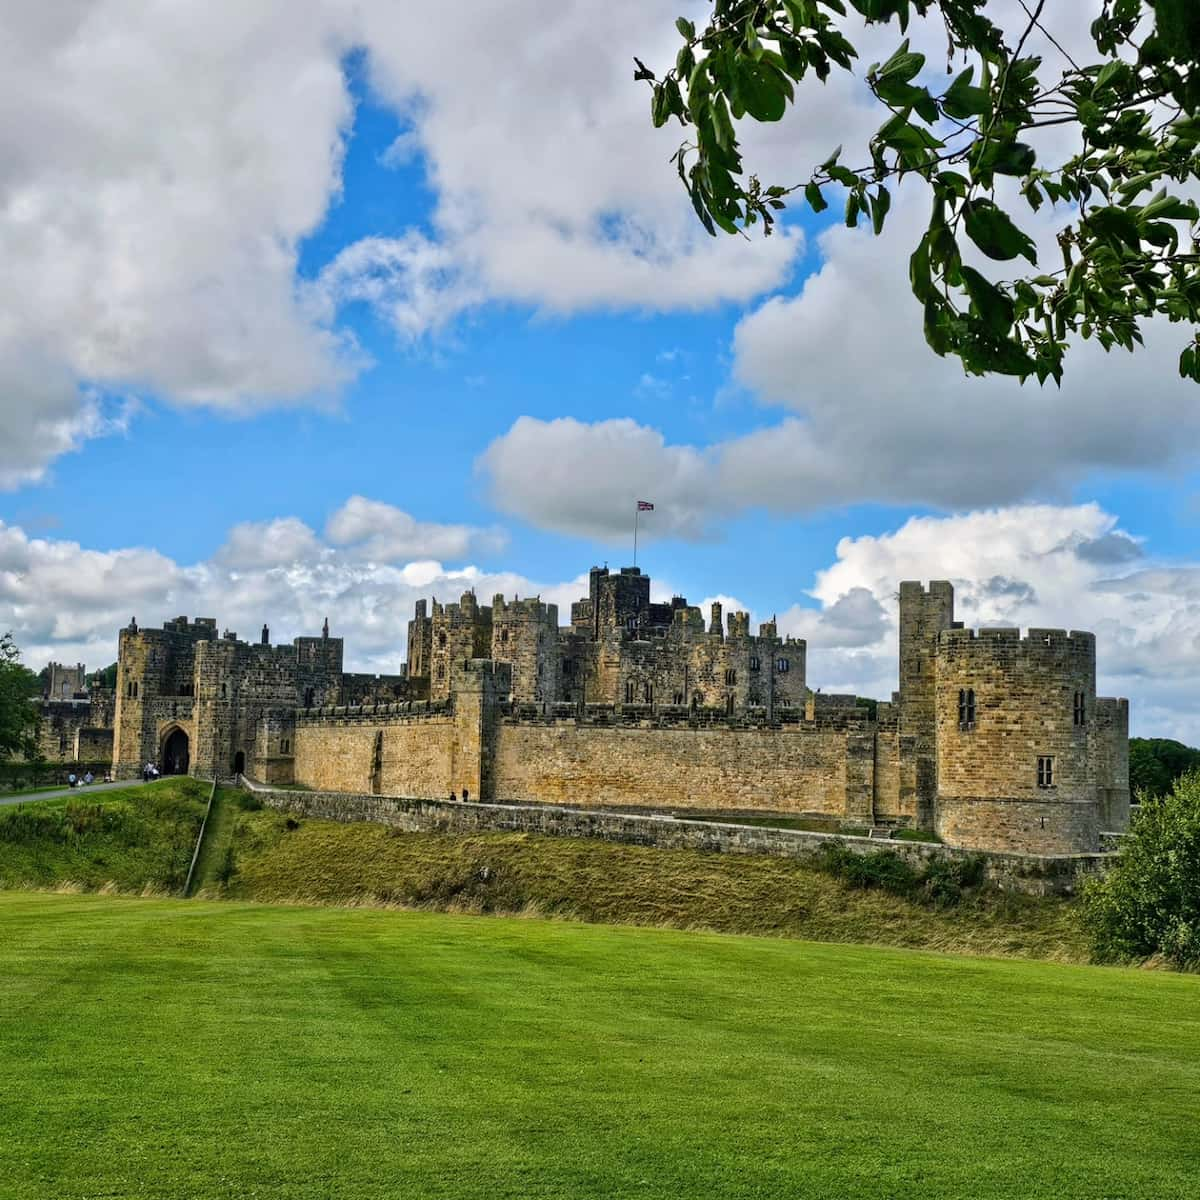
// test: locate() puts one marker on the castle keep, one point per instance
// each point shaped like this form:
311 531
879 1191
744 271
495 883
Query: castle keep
995 740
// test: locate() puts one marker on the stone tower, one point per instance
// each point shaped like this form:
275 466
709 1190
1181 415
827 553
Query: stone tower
924 614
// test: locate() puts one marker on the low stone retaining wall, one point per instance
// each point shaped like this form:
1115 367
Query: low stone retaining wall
1029 873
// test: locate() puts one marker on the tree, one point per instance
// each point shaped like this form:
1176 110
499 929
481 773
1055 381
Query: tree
1149 903
1156 763
18 716
1127 253
106 677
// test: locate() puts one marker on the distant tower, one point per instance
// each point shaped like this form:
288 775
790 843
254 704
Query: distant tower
325 628
266 636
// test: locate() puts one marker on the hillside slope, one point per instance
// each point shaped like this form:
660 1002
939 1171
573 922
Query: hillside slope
275 857
131 839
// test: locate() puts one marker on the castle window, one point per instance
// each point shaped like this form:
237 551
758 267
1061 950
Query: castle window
966 709
754 663
1080 709
731 677
677 699
1045 771
285 746
783 666
629 691
631 623
568 666
224 691
309 696
441 639
648 693
441 671
504 636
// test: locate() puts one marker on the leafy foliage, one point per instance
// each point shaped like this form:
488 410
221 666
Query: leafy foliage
18 717
1156 763
1127 253
1150 902
941 882
106 677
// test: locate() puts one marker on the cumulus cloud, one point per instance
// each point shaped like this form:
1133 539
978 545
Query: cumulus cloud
162 165
381 532
65 602
1015 566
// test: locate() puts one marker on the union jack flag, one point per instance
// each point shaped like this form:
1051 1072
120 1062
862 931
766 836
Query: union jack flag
645 506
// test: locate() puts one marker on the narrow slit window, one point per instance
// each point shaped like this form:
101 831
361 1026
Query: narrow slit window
1080 709
966 708
648 693
629 693
1045 771
783 666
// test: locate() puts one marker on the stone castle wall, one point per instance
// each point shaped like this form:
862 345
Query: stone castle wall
1031 874
795 769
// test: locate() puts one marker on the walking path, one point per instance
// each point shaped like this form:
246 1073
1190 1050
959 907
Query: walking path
90 790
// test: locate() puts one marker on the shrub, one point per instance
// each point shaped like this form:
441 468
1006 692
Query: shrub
1149 903
941 882
249 802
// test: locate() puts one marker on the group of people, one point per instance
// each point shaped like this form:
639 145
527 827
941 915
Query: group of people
87 777
454 796
149 772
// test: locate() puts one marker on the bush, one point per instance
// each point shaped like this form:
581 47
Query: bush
941 882
1149 903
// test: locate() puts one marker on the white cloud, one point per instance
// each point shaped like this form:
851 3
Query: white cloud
162 164
383 533
1027 566
67 603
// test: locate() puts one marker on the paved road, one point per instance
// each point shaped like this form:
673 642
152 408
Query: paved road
79 791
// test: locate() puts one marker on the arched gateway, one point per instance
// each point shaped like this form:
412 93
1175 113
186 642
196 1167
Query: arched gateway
175 756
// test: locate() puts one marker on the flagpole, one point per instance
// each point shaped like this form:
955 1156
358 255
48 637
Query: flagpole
637 512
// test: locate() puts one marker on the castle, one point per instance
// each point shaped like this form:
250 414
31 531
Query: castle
995 740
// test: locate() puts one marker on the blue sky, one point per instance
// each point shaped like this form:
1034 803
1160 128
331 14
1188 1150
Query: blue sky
229 322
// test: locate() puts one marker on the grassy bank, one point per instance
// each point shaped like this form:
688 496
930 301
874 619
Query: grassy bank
182 1048
129 840
275 857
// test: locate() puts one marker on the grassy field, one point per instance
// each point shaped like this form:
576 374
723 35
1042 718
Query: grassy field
278 858
166 1049
128 840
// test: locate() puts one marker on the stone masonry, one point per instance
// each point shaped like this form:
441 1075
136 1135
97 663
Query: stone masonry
994 740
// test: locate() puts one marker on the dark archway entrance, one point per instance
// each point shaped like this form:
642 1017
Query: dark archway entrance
239 763
175 753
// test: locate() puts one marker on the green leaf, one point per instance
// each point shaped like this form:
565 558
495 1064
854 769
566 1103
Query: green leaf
880 204
762 90
995 309
816 201
853 207
963 101
685 27
993 232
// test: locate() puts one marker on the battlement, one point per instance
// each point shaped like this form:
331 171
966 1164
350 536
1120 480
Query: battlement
1034 643
530 610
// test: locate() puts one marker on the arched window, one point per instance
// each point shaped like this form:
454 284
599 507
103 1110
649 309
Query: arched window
504 636
754 663
648 692
729 705
966 709
629 691
730 677
677 699
783 666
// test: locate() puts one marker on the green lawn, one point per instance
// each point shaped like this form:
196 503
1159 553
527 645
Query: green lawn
169 1049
